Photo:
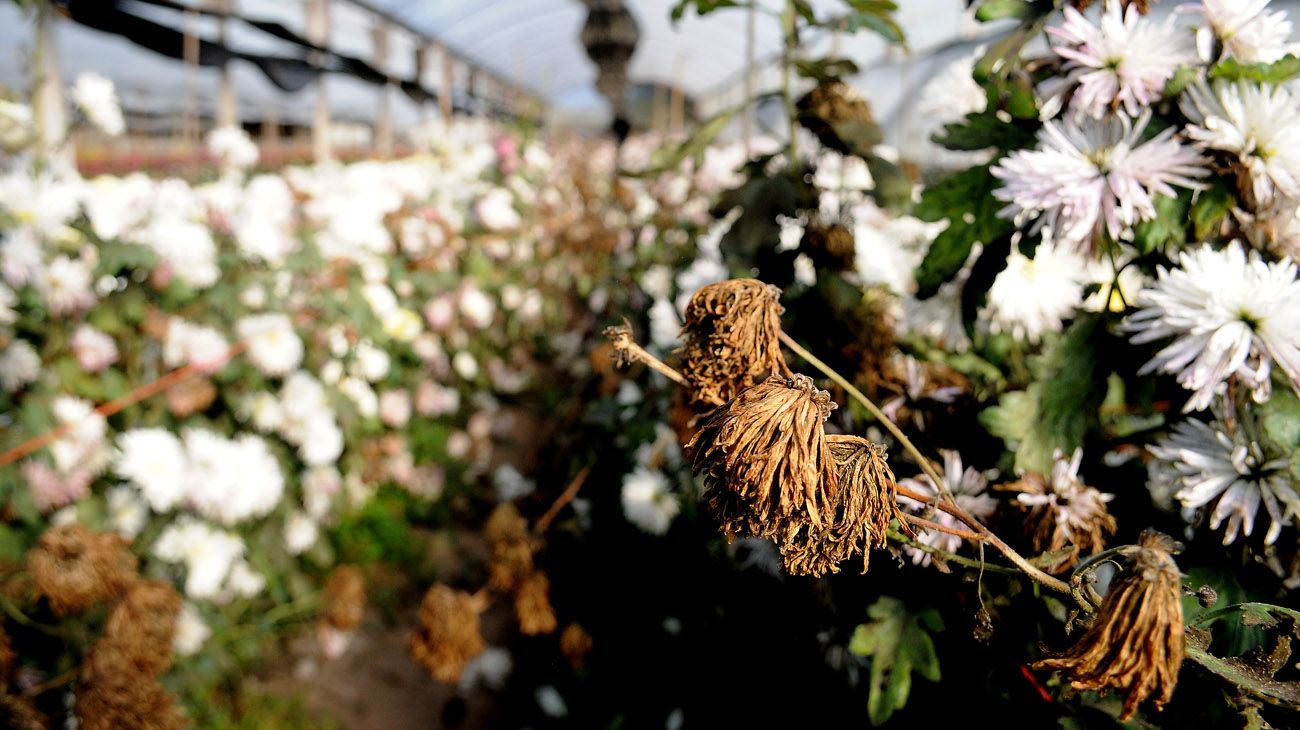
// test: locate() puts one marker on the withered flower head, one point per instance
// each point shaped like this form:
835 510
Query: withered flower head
190 396
20 713
1143 6
448 635
866 499
620 338
575 643
839 117
1135 642
765 460
533 605
109 698
7 657
830 246
345 598
731 333
512 548
142 626
1063 512
75 568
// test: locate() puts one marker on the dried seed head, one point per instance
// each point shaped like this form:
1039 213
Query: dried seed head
109 698
345 598
512 548
731 333
620 337
142 627
448 635
835 107
575 643
765 461
75 568
1135 642
865 501
1063 512
20 713
7 657
533 605
830 246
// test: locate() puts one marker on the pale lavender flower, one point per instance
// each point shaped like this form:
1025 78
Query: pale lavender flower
1229 315
967 486
1088 174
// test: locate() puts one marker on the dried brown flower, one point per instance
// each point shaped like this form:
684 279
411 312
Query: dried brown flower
20 713
839 117
765 460
865 501
190 396
75 568
575 643
533 605
109 698
1143 6
448 635
830 246
345 598
512 550
7 657
142 627
731 333
1136 641
1063 512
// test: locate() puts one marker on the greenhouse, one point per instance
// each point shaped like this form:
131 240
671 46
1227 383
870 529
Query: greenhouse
380 364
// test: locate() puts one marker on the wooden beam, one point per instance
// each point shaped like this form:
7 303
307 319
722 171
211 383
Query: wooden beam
51 118
318 32
227 100
384 112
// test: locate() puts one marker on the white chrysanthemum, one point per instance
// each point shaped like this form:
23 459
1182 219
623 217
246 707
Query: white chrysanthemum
1090 174
402 324
187 247
264 410
242 582
476 307
190 344
98 100
665 326
1076 507
233 148
1229 314
66 286
648 500
273 345
1125 60
465 365
888 252
657 282
433 399
207 553
551 702
1248 30
320 484
362 395
1033 296
1205 462
371 362
967 486
93 349
154 461
84 448
231 480
17 125
191 631
496 211
322 442
510 484
489 669
127 512
8 302
20 365
1114 293
1258 124
117 206
300 532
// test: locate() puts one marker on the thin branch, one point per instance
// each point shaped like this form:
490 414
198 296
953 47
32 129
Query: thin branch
628 351
948 557
927 524
566 497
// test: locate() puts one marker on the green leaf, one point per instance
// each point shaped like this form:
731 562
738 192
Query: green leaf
893 189
1073 387
1280 71
1247 677
805 10
966 201
981 131
825 69
899 644
998 9
702 7
876 22
1168 227
668 158
1212 205
1280 418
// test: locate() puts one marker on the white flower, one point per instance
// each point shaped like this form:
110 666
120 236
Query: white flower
1205 462
395 408
20 365
372 363
1258 124
98 100
208 554
648 500
273 345
805 272
233 148
402 325
489 669
190 344
1076 507
127 513
432 399
1033 296
191 631
465 365
16 125
665 326
476 307
1229 315
117 206
66 286
319 486
657 281
83 448
155 462
496 211
93 349
8 300
967 486
300 533
232 480
361 394
551 702
243 582
510 484
953 93
264 410
1125 60
186 247
1248 31
1089 174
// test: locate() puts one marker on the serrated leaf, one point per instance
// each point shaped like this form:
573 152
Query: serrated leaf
1168 227
966 201
899 645
1280 71
877 22
1280 418
981 131
1073 387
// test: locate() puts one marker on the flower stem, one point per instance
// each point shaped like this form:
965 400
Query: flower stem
1034 573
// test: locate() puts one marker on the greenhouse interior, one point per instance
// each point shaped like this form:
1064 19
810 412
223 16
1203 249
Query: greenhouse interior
384 364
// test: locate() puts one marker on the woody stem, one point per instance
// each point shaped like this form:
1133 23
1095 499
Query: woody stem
1019 561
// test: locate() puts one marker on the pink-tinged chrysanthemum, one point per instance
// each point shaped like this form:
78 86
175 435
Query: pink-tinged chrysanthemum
1247 30
1258 124
1229 315
968 486
1088 174
1205 462
1124 60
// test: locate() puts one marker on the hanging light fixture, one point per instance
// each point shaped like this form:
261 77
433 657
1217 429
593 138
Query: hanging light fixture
609 36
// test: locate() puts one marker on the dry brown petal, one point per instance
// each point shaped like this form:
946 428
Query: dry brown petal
765 461
732 333
7 656
190 396
142 627
108 698
533 605
345 598
866 500
575 643
512 550
1051 535
1135 642
20 713
75 568
834 105
448 635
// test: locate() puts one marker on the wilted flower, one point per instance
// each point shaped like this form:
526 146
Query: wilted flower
1063 512
732 340
448 635
142 625
575 644
1135 643
507 535
533 605
967 486
344 598
74 568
